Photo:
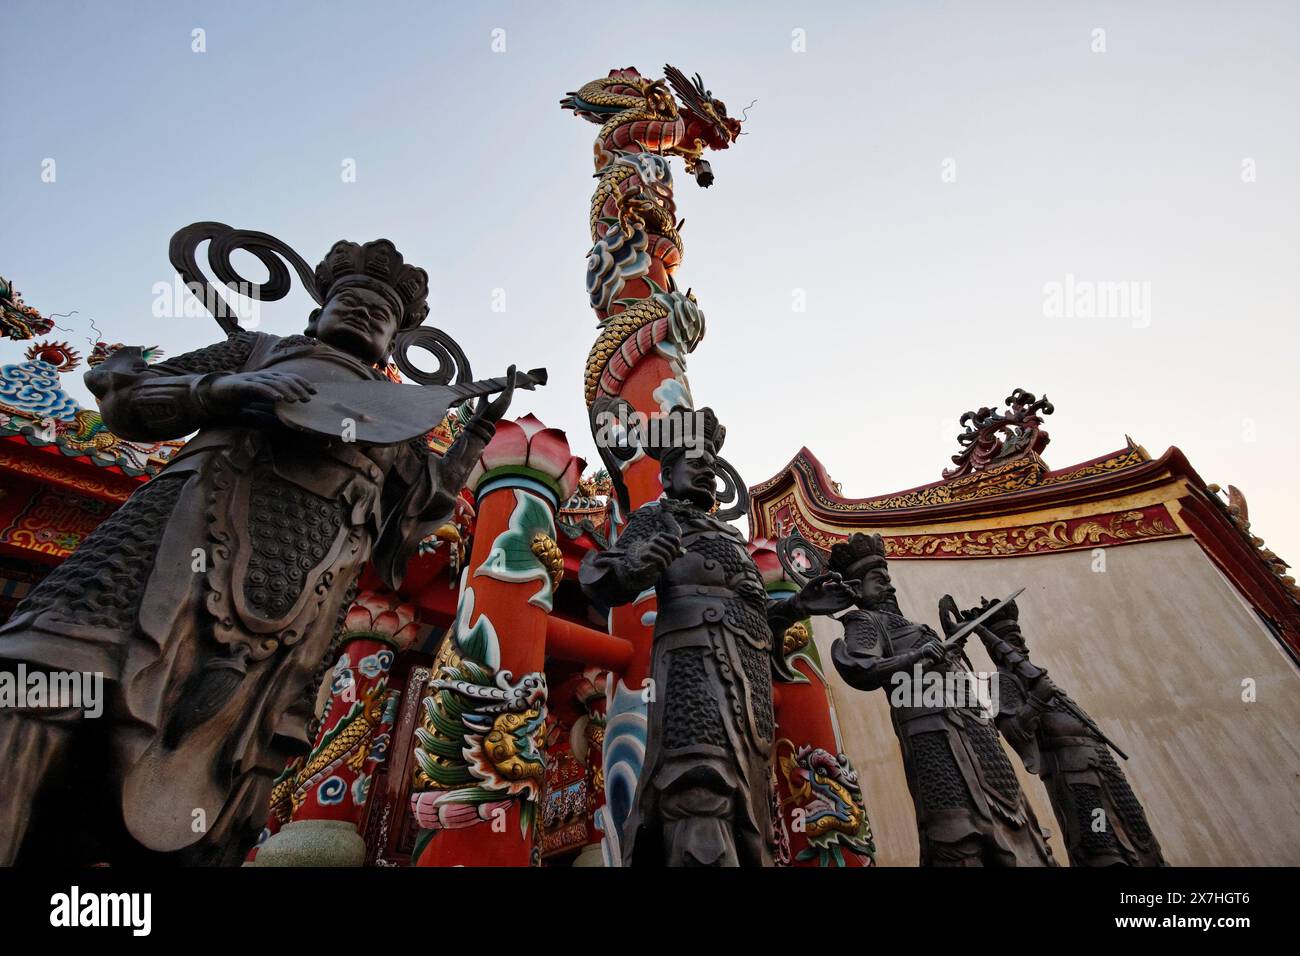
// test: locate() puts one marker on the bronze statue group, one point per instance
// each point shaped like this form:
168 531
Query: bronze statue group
212 675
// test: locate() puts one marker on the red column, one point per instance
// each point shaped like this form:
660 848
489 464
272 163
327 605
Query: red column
318 803
821 805
481 742
647 328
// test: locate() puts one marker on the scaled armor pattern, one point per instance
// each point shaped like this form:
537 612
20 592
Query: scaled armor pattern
970 809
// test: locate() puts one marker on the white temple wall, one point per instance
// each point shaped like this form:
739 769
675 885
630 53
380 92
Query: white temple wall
1156 648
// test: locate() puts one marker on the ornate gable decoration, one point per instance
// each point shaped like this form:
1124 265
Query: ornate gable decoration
1239 514
993 437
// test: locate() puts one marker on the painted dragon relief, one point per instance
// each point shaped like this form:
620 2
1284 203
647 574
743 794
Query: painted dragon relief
826 804
360 738
481 741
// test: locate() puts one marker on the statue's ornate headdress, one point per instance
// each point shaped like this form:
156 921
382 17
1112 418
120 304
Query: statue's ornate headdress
377 266
663 438
861 552
682 429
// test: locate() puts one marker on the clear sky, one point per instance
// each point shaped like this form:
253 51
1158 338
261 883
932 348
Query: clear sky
924 296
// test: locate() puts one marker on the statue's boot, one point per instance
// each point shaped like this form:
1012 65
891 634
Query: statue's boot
33 747
952 838
697 812
967 852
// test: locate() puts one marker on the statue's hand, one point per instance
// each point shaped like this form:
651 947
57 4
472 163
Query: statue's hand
650 557
1007 615
825 594
933 651
454 466
490 412
226 395
929 651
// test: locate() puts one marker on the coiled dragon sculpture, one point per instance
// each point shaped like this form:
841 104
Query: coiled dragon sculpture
633 217
647 327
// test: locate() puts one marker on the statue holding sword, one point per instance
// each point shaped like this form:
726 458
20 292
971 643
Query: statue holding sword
970 808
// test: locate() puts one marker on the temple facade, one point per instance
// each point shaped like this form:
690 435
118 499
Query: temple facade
1145 590
488 713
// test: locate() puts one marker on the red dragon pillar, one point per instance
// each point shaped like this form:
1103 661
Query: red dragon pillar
647 327
480 746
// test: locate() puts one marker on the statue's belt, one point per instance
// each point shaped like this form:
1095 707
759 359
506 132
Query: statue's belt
700 590
327 473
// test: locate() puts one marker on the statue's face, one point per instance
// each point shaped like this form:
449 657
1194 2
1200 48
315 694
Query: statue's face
875 585
359 322
693 478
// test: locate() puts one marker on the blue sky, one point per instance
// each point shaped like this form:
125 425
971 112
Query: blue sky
924 297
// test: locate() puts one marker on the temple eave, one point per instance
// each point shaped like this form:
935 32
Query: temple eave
1020 508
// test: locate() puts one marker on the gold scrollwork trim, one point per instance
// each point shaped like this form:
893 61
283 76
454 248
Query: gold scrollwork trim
1020 474
1033 539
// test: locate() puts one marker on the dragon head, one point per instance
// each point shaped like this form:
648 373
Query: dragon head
707 122
825 787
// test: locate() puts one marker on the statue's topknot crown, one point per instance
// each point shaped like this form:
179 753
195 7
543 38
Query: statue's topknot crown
684 428
380 266
855 554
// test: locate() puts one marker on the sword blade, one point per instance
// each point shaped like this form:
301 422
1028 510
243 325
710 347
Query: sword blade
984 616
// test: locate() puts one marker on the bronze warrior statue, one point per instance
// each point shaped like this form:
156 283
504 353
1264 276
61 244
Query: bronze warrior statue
1099 814
703 798
970 809
210 599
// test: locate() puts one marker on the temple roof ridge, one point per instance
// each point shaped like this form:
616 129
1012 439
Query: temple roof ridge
1132 453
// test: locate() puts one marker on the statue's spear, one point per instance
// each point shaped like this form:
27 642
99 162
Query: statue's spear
1072 708
1062 701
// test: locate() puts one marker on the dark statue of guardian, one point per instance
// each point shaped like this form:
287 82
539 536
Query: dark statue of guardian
209 601
970 808
1100 816
704 796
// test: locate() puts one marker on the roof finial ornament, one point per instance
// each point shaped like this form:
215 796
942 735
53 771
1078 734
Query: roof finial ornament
993 436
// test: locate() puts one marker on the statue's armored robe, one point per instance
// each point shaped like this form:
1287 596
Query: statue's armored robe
704 794
1101 818
970 809
209 601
